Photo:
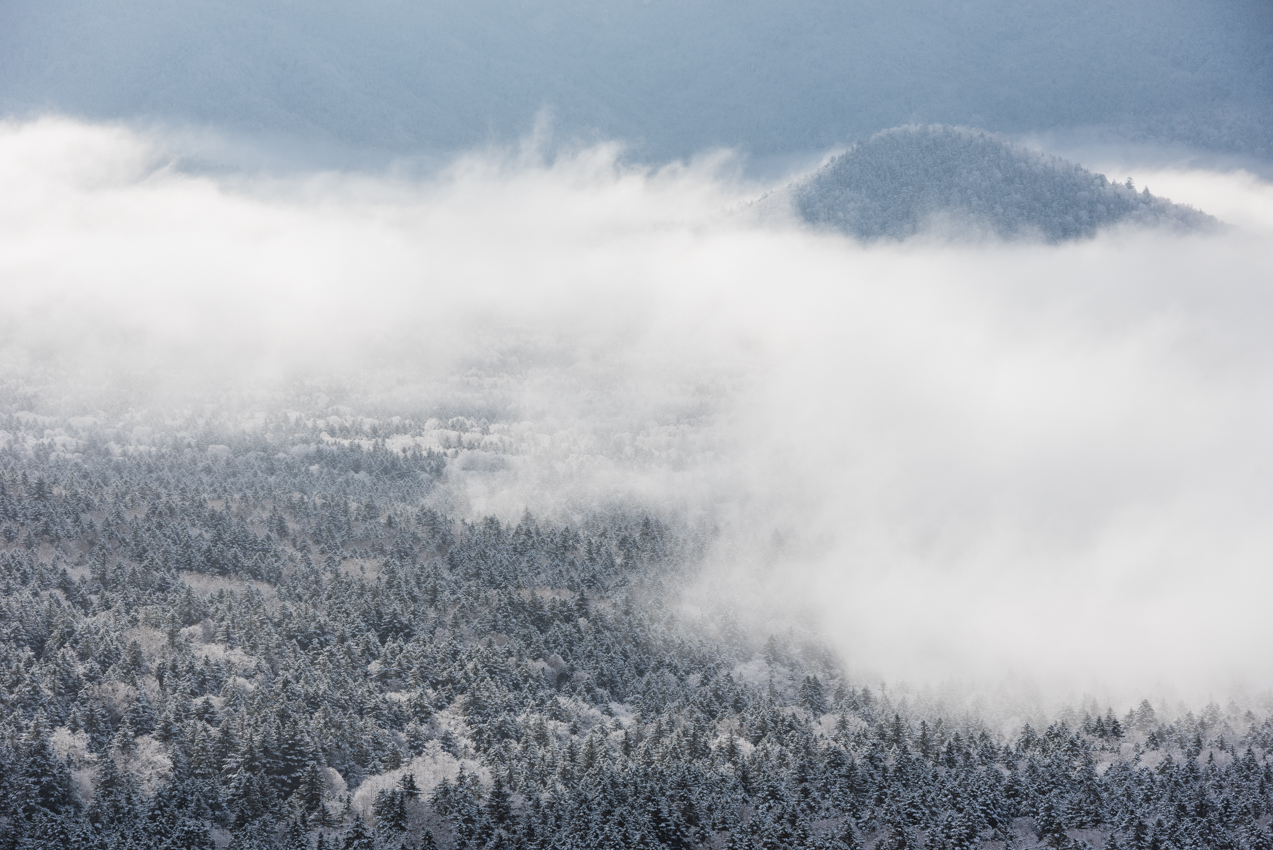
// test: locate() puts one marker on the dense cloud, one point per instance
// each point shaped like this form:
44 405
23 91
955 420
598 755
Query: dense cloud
961 460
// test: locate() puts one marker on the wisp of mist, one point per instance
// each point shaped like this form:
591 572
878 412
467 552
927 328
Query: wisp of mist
970 462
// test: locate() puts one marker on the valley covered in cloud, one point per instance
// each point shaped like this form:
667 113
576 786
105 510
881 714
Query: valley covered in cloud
973 460
564 425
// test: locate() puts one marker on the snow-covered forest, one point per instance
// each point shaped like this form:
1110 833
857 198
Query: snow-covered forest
259 635
636 425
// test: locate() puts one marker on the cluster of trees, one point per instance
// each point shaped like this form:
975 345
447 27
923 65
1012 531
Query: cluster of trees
225 640
901 181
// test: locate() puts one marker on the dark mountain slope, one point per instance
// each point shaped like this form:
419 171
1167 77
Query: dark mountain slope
902 181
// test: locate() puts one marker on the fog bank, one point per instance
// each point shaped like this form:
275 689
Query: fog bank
962 461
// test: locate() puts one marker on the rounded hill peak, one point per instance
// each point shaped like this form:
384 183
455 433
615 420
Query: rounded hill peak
907 180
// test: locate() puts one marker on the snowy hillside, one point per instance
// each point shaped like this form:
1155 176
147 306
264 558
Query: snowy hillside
416 435
269 642
902 181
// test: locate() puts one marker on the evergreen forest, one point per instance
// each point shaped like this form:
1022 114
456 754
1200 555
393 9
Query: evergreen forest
273 637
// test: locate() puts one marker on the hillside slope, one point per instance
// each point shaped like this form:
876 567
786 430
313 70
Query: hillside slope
259 635
902 181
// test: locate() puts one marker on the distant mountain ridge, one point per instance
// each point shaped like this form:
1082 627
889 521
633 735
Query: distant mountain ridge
903 181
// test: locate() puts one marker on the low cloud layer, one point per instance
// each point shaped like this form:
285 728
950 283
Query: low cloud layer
964 462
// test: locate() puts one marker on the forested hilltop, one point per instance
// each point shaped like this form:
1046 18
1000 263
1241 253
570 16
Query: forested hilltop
273 636
903 181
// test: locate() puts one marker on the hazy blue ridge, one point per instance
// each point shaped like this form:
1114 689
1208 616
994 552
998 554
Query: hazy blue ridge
669 78
902 181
